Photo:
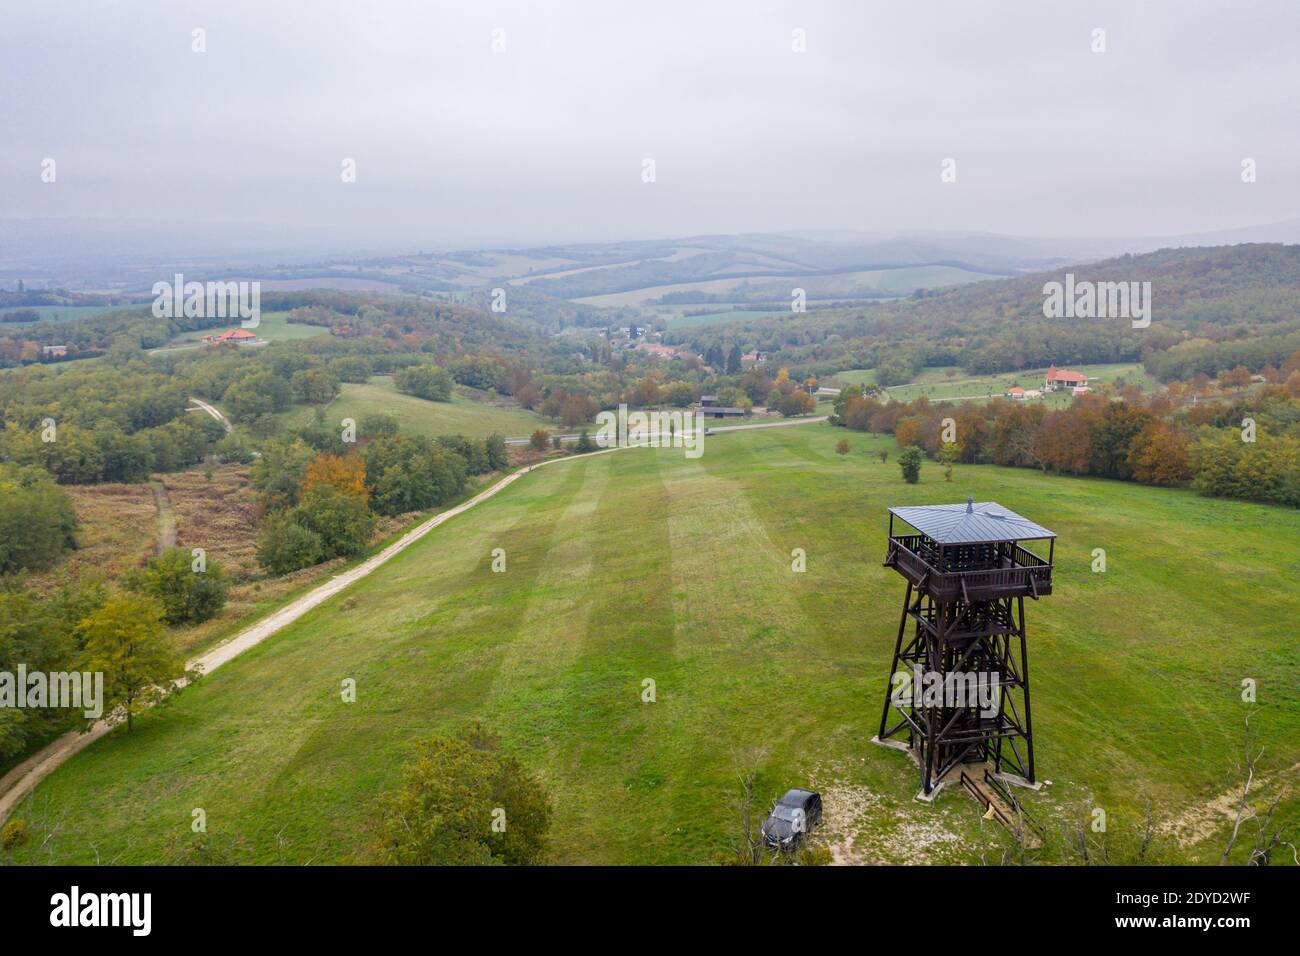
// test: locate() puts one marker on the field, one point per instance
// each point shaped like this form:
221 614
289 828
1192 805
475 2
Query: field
65 313
117 528
461 416
950 383
644 564
718 318
274 327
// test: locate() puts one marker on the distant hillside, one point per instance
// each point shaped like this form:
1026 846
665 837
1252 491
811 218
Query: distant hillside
1217 294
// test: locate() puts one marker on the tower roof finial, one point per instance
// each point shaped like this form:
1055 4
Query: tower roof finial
970 503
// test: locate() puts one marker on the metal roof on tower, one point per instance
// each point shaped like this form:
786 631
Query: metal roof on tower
975 522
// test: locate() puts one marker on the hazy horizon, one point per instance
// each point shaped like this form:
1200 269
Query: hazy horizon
459 146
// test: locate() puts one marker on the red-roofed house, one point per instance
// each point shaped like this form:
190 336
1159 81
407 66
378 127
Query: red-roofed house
1058 380
237 336
1016 392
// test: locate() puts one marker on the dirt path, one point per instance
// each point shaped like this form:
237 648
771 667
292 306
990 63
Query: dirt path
166 517
214 412
22 779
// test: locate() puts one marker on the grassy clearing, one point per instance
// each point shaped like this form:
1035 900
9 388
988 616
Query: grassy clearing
274 327
65 313
646 564
462 415
949 382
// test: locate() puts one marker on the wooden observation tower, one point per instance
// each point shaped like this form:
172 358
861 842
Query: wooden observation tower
963 623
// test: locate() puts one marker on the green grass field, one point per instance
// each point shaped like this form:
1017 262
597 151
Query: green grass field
274 327
951 383
66 313
644 564
461 416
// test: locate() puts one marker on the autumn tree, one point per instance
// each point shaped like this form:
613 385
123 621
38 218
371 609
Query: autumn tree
1159 455
127 642
346 474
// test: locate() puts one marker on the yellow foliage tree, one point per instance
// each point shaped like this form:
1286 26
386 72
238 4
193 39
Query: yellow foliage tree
344 473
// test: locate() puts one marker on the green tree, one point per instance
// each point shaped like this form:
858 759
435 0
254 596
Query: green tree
585 444
373 426
425 381
33 634
37 520
462 801
910 462
284 545
187 595
342 521
948 454
314 386
498 457
411 473
734 360
126 641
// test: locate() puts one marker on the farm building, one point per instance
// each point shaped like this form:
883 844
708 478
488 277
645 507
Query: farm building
236 336
1058 380
54 351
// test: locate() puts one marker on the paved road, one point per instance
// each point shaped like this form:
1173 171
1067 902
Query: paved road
711 429
22 779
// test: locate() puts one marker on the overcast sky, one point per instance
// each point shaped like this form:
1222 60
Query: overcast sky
456 144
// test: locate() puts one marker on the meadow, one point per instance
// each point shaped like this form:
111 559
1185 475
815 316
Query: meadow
273 327
950 383
460 416
644 564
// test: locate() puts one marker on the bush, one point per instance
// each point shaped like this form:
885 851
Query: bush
540 439
14 834
842 447
425 381
285 546
343 521
585 444
463 802
373 426
910 462
187 596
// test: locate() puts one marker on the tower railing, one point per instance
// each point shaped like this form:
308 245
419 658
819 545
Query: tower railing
1006 570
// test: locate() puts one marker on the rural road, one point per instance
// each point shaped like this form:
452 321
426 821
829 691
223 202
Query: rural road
214 412
22 779
712 431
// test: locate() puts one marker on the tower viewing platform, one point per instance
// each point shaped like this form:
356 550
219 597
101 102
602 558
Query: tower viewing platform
970 551
962 628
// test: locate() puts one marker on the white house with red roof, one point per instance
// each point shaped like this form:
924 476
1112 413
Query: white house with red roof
234 336
1058 380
